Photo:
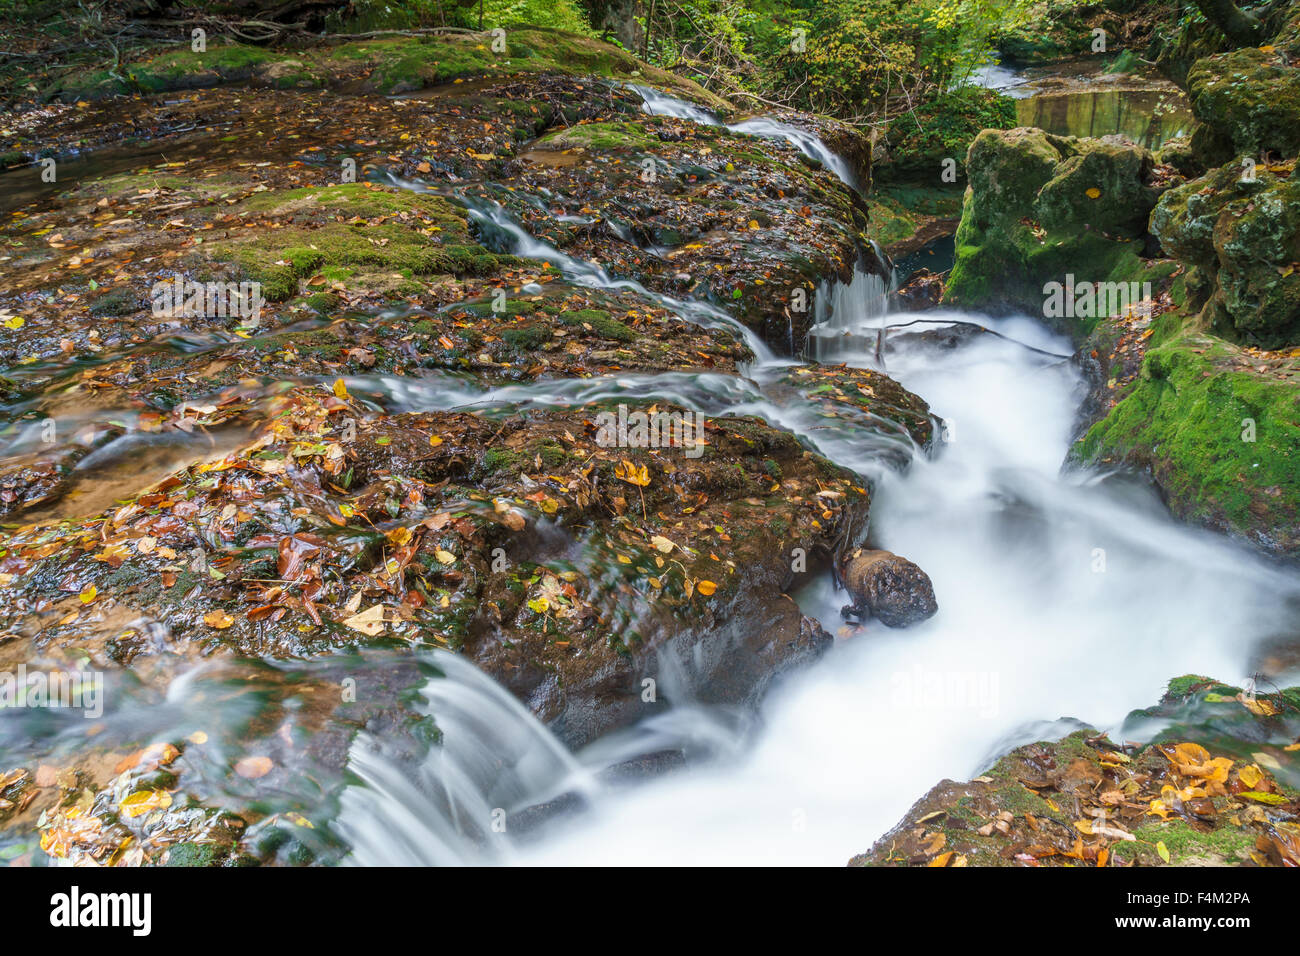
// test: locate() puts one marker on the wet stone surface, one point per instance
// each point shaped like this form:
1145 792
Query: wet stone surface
405 445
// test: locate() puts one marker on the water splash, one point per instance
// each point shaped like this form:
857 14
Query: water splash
493 759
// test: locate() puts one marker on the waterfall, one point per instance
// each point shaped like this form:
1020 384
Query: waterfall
764 127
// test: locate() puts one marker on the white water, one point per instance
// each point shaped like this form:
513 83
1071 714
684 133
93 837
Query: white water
764 127
1027 631
1060 595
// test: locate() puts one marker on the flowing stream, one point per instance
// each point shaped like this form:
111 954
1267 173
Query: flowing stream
1064 596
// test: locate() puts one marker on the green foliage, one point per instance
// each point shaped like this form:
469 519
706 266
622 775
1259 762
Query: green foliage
871 56
943 127
704 36
557 14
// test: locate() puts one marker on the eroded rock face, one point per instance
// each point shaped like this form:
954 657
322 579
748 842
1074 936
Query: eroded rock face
1243 231
889 588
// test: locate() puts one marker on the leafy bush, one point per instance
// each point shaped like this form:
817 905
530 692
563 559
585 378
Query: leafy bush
941 128
868 57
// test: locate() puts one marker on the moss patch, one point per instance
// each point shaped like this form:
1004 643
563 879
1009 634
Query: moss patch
1189 418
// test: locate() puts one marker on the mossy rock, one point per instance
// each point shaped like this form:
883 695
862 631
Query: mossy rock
353 231
1244 233
611 135
1250 98
601 322
1222 444
1041 208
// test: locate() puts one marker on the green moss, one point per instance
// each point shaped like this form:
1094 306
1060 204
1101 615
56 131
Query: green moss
601 322
196 854
610 135
387 65
1250 98
341 249
527 337
1190 420
1188 846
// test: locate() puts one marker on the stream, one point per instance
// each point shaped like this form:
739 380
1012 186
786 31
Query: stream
1065 596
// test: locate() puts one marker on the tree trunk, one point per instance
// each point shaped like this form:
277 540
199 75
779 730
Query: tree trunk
1242 28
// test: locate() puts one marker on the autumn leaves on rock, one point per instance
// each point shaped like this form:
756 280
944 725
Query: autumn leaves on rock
300 512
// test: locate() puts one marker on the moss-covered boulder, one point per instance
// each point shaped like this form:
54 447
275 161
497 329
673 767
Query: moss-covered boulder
1249 99
1242 228
1218 429
1043 208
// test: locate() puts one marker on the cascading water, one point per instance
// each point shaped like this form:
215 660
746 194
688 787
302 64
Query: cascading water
846 308
764 127
1062 594
492 219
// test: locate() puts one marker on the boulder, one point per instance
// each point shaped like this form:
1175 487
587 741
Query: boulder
1249 99
1042 208
889 588
1243 231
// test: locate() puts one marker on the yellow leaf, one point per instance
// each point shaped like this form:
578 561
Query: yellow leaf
88 594
1258 707
435 440
662 543
445 557
632 474
1163 851
198 737
15 322
1250 775
706 587
340 388
218 619
369 622
1093 193
145 801
941 860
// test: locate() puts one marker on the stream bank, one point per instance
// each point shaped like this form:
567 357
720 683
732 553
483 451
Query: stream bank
357 522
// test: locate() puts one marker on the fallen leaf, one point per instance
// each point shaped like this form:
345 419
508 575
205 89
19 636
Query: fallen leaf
253 767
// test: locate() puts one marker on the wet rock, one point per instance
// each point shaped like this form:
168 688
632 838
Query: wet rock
570 568
921 290
1209 791
889 588
739 220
